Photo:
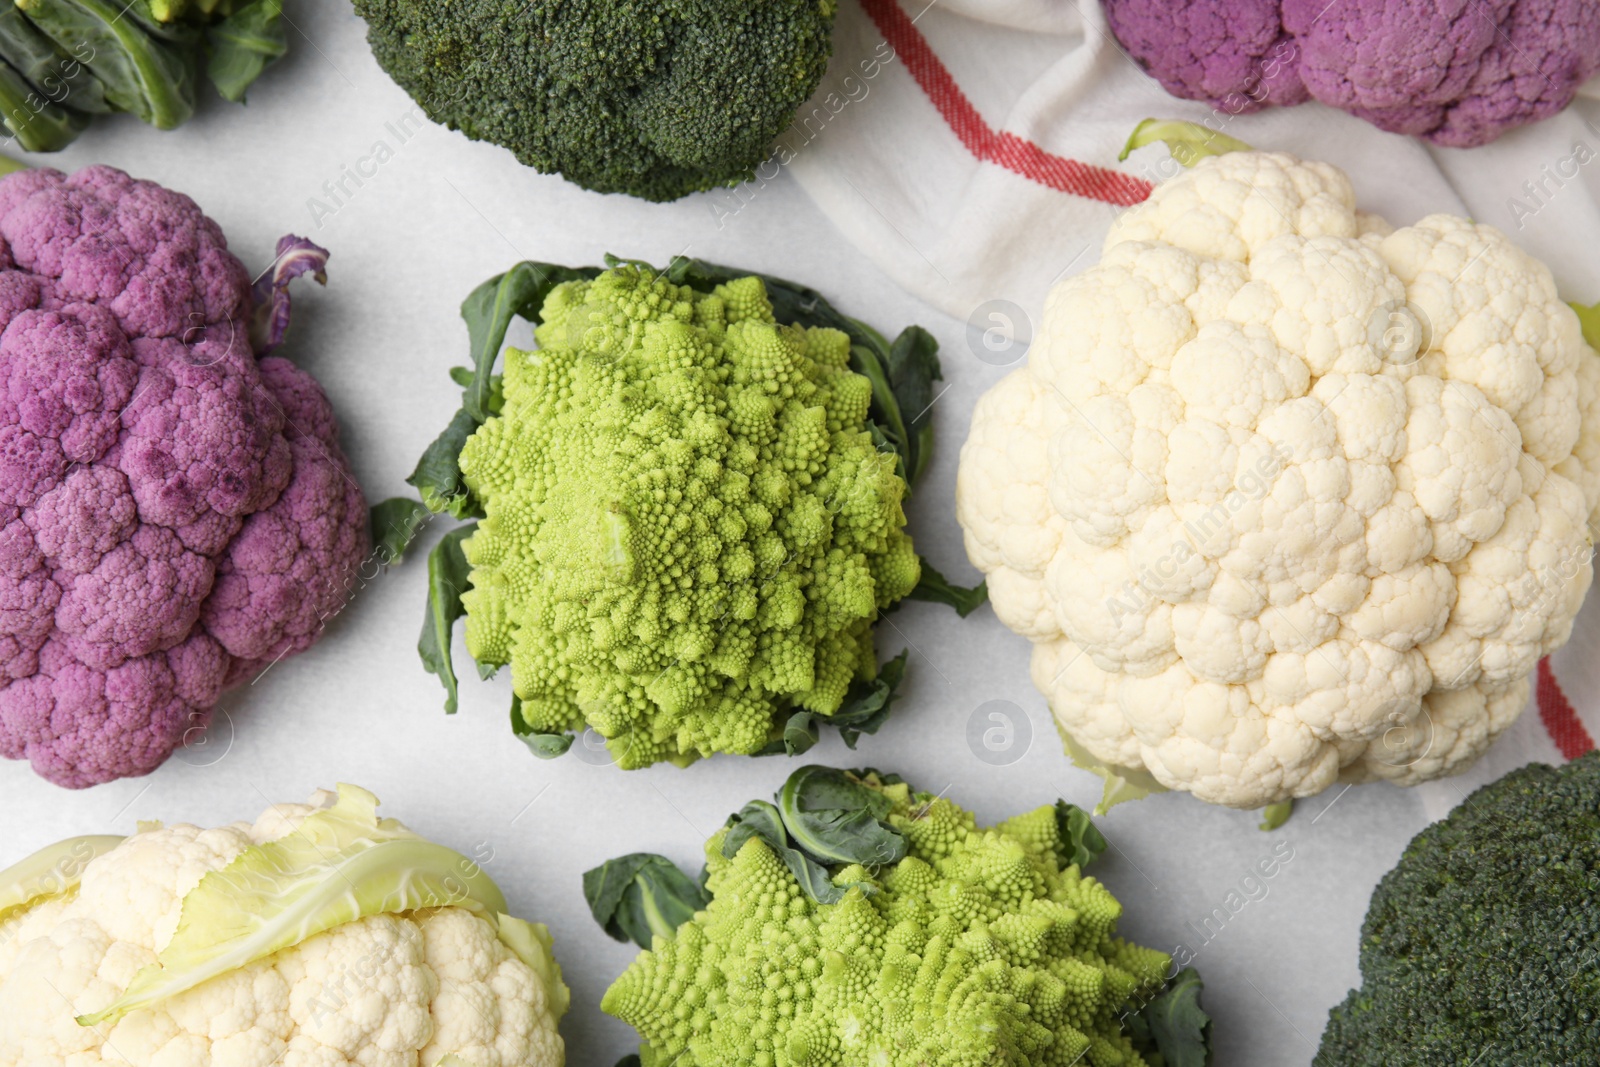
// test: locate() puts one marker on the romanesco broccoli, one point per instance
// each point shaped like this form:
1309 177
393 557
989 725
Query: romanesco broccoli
691 502
688 527
976 947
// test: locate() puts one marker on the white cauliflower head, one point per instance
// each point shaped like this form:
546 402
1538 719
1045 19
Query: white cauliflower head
1285 496
366 978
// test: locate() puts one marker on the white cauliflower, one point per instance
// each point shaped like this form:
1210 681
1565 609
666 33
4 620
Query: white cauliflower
305 940
1285 496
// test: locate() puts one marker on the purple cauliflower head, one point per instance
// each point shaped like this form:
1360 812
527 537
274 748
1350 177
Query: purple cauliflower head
175 512
1454 72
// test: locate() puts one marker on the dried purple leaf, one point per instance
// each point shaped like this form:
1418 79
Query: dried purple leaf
270 319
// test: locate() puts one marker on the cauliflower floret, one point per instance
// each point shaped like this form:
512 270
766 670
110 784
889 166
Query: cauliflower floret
384 990
490 1009
1286 496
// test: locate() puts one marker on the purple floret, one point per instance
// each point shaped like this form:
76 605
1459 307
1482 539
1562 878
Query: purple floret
274 592
175 514
1234 56
1455 72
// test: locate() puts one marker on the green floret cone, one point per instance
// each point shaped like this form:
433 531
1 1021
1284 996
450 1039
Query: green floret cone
688 530
978 948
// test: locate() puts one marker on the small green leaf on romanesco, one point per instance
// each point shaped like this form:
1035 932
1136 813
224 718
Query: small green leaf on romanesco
447 578
545 746
395 524
936 588
1173 1030
1081 842
641 897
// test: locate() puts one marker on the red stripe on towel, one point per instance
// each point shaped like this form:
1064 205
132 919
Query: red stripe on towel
1560 721
982 140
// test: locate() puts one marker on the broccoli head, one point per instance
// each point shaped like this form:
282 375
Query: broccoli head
858 921
688 527
1480 946
656 100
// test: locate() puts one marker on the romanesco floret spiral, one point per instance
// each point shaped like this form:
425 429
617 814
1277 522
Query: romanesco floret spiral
688 528
977 948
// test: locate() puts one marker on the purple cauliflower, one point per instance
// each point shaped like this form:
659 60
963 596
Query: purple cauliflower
1454 72
175 512
1235 55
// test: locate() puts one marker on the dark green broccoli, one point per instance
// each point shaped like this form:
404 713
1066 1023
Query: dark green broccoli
1482 946
654 99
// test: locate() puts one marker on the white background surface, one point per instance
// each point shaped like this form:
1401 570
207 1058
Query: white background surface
438 218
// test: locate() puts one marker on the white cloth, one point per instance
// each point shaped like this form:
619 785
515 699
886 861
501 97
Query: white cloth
961 233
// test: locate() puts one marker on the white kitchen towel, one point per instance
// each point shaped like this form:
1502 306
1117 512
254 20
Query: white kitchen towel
969 147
